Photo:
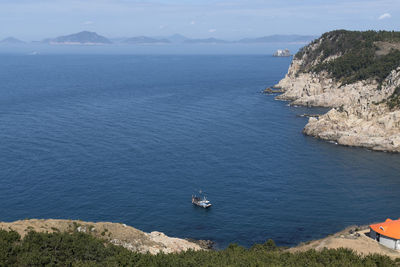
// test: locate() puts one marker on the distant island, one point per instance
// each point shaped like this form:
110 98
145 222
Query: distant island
11 40
357 74
93 38
80 38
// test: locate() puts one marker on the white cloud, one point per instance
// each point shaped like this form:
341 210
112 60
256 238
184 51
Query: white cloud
87 22
192 22
162 27
212 30
385 16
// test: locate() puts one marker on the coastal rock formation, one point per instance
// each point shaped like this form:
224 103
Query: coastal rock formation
361 115
320 90
116 233
374 127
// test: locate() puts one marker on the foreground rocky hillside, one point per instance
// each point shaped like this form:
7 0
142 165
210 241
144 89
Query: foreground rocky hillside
358 75
76 243
115 233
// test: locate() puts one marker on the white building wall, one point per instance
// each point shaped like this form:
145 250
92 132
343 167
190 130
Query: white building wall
388 242
398 244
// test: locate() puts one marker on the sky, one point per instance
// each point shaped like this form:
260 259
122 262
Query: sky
228 19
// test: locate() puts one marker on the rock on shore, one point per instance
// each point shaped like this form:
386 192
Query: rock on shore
116 233
360 114
376 127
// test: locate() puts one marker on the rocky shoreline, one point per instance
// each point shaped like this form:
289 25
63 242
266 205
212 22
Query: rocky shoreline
115 233
355 238
359 116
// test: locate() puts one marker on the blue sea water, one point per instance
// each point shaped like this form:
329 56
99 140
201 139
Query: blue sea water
130 138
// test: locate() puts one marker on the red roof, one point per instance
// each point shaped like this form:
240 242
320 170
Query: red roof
389 228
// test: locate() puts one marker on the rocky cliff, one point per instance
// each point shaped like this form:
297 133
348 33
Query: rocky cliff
115 233
359 77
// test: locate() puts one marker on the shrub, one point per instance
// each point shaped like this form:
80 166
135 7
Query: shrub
80 249
358 59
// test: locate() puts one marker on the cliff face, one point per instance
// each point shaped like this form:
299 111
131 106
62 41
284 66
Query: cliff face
360 116
319 89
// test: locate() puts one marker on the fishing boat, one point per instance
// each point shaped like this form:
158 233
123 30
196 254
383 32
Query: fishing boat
201 202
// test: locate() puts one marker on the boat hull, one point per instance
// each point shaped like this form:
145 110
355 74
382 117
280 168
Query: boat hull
202 203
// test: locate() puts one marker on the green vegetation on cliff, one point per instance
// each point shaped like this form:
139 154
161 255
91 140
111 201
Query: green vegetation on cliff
362 55
394 100
79 249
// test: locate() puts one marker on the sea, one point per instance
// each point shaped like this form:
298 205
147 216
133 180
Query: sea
130 138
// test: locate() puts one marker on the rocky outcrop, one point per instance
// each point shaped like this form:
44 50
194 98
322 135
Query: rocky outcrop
360 114
270 90
375 127
115 233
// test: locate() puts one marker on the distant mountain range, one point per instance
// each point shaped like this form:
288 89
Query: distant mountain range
205 41
92 38
176 38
